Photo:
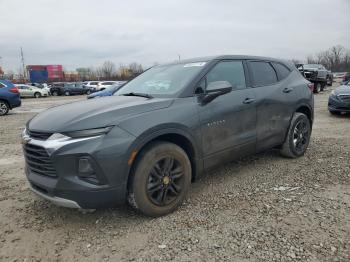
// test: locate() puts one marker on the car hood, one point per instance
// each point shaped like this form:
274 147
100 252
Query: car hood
343 90
94 113
100 93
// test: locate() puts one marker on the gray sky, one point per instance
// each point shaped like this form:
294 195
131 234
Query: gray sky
85 33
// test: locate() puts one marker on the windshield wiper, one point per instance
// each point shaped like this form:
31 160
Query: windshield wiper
138 94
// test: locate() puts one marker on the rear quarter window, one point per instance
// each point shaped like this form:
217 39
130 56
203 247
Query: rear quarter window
281 70
263 73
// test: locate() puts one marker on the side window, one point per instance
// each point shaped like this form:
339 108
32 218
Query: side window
282 71
2 85
230 71
263 73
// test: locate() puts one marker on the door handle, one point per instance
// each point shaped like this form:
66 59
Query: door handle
248 101
287 90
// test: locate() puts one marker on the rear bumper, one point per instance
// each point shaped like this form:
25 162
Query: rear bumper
15 102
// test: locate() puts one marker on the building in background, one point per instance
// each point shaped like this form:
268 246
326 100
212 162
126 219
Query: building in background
45 73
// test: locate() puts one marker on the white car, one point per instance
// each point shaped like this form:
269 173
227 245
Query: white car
104 84
31 91
91 84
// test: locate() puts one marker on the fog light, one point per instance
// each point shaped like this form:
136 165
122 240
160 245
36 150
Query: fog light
85 167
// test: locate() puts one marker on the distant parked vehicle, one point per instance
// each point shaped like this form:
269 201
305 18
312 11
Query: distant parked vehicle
31 91
316 74
9 97
92 85
68 89
104 84
339 100
345 78
109 91
339 75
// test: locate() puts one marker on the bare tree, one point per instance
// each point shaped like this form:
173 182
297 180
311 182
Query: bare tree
108 69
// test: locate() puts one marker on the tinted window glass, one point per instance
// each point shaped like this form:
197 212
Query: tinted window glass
1 85
282 71
230 71
263 73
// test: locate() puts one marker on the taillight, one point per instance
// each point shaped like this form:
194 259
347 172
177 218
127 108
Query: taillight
310 86
14 90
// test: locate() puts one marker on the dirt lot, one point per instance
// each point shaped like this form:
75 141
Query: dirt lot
262 208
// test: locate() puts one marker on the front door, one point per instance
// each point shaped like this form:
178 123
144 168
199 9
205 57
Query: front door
228 122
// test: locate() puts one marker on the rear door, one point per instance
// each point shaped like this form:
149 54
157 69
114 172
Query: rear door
275 101
228 122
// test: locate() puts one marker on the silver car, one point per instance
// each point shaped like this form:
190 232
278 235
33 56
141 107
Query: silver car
31 91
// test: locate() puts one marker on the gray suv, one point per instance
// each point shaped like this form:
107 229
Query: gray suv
162 130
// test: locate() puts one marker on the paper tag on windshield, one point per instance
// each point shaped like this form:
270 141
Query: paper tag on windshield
195 64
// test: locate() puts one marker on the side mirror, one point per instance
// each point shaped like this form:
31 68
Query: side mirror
215 89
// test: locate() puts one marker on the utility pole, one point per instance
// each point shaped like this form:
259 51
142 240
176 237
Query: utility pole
23 66
179 57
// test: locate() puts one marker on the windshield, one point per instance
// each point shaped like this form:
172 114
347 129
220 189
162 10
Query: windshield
163 81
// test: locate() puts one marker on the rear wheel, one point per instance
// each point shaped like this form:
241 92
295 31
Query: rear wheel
37 95
160 180
55 93
88 92
4 108
317 88
66 93
298 136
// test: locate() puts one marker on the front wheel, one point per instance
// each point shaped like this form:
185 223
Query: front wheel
37 95
66 93
55 93
88 92
160 179
298 136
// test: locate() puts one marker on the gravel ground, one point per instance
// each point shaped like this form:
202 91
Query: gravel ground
261 208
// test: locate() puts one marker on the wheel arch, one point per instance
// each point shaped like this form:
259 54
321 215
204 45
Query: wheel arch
176 136
306 110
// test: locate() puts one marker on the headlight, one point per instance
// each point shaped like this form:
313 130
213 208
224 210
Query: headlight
88 132
333 93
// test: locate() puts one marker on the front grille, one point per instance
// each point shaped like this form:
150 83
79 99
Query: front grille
39 135
344 98
38 160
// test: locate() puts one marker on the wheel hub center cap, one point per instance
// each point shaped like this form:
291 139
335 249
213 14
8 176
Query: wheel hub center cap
166 180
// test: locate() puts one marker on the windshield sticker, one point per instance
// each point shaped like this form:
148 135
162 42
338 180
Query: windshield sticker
195 64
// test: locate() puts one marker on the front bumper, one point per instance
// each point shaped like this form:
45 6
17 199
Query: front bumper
57 179
335 105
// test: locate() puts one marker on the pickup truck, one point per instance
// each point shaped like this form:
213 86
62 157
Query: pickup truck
316 74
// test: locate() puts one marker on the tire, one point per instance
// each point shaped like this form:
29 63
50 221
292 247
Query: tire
317 88
4 108
152 170
298 136
55 93
66 93
323 86
334 112
88 92
37 95
330 82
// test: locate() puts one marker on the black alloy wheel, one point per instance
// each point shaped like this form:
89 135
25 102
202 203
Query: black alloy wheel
165 181
301 135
